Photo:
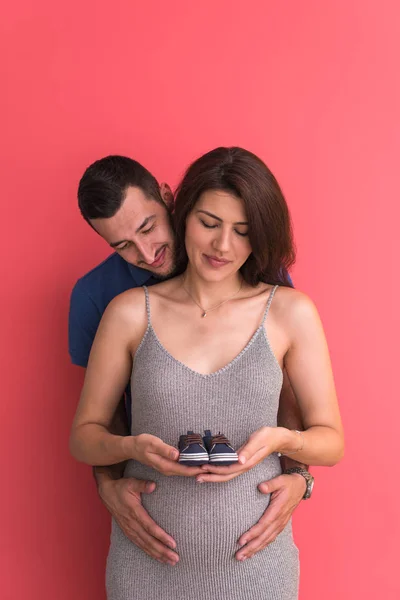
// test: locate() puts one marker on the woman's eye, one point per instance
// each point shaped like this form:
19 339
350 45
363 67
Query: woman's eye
241 233
208 226
149 230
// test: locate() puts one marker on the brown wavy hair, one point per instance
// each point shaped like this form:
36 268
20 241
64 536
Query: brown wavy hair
244 175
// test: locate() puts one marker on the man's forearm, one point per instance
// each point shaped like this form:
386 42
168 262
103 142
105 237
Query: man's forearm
110 473
289 416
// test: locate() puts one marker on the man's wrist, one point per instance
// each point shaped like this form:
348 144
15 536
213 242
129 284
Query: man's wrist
307 478
287 462
107 475
299 478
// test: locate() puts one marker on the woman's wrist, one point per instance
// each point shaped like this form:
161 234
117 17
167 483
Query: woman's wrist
291 442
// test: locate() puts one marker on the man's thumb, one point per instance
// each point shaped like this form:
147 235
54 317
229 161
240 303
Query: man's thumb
267 487
141 486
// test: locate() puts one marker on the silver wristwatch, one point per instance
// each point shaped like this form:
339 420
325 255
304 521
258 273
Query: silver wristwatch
307 476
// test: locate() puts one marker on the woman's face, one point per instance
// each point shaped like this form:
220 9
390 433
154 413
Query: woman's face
217 242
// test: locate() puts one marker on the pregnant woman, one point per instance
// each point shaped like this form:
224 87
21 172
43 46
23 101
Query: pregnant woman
216 339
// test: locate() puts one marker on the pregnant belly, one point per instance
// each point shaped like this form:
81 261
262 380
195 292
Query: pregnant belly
206 520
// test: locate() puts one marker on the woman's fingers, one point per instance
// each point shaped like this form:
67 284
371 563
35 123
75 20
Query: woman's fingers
162 449
208 478
170 467
255 447
228 470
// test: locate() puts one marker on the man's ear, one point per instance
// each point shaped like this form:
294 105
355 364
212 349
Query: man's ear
167 196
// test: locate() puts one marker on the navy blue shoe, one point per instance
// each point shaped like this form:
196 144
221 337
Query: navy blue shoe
219 449
192 450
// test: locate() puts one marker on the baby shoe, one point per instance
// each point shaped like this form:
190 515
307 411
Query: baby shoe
192 450
220 450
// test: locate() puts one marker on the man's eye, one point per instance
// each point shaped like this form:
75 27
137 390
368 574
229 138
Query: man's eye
149 230
206 225
124 247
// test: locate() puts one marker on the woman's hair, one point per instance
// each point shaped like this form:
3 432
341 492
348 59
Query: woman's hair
244 175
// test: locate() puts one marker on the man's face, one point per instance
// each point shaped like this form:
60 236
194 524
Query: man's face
141 233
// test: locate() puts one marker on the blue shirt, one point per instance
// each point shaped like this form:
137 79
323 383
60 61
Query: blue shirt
90 298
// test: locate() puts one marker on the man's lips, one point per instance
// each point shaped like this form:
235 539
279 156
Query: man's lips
160 258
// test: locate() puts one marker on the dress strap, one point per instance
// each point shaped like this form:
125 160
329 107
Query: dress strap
270 298
146 293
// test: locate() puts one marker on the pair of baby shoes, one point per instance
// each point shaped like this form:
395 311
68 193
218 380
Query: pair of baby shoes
211 449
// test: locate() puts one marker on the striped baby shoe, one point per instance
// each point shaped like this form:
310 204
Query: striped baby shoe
220 450
191 450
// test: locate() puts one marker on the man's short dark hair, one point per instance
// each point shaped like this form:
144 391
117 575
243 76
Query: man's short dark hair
103 186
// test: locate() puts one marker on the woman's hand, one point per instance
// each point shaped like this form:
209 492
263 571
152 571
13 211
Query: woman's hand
153 452
260 444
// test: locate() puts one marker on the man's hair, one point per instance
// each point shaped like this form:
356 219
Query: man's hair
103 186
244 175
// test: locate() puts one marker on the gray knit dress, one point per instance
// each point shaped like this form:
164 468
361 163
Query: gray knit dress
206 520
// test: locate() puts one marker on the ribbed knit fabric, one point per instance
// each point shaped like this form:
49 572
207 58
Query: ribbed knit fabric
206 520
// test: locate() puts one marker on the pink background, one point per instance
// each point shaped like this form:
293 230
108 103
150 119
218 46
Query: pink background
313 88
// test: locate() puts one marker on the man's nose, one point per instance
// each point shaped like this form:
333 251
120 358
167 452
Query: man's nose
146 252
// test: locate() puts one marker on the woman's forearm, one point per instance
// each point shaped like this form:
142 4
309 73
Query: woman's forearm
94 445
317 445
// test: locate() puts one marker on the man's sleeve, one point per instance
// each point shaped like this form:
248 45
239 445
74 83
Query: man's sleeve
84 319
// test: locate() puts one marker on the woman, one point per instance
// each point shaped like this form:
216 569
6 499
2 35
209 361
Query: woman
215 338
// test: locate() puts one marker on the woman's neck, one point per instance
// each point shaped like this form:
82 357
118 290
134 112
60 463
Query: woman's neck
209 293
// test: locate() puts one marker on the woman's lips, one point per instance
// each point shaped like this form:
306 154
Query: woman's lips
216 262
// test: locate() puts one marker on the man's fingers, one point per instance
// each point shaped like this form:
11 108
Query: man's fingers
153 548
140 486
273 485
149 544
156 549
256 545
145 522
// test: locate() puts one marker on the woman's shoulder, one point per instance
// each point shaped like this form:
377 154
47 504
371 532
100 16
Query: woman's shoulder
127 308
293 305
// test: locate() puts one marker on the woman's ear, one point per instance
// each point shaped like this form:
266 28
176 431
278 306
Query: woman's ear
167 196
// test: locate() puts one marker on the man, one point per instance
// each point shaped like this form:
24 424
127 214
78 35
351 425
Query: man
124 204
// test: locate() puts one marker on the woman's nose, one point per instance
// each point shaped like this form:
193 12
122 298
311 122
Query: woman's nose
222 240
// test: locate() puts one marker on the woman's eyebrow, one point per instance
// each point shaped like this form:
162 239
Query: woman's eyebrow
219 218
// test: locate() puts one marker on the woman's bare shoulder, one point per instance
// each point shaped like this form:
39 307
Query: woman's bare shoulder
127 308
294 306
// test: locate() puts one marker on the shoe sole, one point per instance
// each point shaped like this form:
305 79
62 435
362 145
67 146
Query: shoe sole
223 459
193 460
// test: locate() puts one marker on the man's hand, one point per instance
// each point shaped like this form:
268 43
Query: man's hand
286 493
122 497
